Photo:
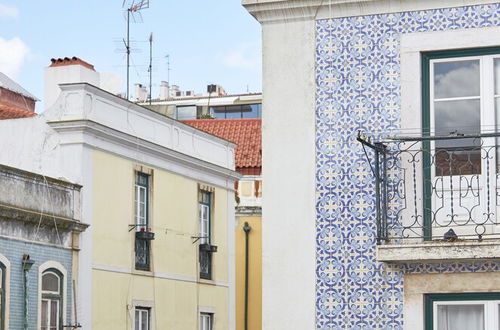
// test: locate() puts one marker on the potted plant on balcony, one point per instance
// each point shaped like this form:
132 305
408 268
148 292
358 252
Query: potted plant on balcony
145 234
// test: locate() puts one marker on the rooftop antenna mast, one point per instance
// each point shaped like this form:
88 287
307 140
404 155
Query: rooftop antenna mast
133 6
150 69
168 68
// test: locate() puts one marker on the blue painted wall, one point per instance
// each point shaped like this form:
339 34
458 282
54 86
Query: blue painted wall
358 88
14 250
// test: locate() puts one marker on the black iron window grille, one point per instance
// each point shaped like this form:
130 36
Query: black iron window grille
436 187
205 263
142 253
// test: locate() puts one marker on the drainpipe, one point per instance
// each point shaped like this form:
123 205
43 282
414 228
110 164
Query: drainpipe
27 263
246 229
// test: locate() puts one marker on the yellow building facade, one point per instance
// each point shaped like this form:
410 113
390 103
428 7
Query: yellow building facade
246 134
254 286
171 291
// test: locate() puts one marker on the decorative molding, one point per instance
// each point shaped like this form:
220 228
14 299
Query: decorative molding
282 11
56 265
94 134
441 251
165 276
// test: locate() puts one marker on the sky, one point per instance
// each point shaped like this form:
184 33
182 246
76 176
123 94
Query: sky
207 42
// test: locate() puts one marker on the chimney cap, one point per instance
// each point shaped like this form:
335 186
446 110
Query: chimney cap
70 61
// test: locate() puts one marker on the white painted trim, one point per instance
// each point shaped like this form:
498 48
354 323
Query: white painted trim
85 277
207 310
103 138
152 315
165 276
43 267
417 285
6 263
284 11
231 261
413 44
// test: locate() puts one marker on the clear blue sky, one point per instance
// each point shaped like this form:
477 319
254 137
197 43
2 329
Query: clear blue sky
208 41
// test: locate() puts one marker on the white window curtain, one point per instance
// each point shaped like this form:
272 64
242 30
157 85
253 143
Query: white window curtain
460 317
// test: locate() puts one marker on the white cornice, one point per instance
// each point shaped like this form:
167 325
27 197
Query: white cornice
101 137
275 11
76 87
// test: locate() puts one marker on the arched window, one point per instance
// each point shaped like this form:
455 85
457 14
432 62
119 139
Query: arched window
52 300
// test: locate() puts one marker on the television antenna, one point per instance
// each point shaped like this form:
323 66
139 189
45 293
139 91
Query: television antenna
150 68
168 68
133 7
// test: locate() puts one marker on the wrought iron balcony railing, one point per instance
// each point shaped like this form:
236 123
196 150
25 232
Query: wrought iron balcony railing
436 188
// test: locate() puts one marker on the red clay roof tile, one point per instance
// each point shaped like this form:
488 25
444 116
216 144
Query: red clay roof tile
245 133
10 112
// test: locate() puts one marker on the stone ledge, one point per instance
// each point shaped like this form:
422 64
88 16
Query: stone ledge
439 251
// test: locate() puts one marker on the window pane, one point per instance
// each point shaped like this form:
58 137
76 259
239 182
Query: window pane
54 314
497 116
233 114
44 314
137 319
497 76
187 112
144 320
218 112
460 117
50 282
456 79
460 317
251 111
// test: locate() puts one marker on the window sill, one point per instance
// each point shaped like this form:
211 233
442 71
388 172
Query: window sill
205 281
143 272
439 251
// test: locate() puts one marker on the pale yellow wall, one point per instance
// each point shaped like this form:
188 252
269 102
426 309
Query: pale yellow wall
174 220
255 273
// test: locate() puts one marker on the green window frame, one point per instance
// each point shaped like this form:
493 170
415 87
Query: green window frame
49 297
142 220
142 197
430 299
205 216
426 59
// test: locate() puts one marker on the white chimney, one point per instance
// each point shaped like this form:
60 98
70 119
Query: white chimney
164 90
67 70
141 93
175 91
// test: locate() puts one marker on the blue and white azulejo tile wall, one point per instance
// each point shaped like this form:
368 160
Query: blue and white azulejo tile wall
358 88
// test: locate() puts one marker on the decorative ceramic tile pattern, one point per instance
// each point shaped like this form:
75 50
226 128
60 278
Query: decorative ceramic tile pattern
358 87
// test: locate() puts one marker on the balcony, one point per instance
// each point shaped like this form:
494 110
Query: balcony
436 197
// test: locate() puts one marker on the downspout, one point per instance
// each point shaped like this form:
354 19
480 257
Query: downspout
246 229
27 263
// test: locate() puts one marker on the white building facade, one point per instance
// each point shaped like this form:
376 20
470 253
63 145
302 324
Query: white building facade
420 68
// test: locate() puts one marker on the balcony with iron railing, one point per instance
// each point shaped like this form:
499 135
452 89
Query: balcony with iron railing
436 197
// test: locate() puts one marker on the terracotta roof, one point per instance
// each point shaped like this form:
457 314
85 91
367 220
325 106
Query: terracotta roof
246 133
12 86
70 61
10 112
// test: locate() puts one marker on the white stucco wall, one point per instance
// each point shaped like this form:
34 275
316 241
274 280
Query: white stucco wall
288 152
